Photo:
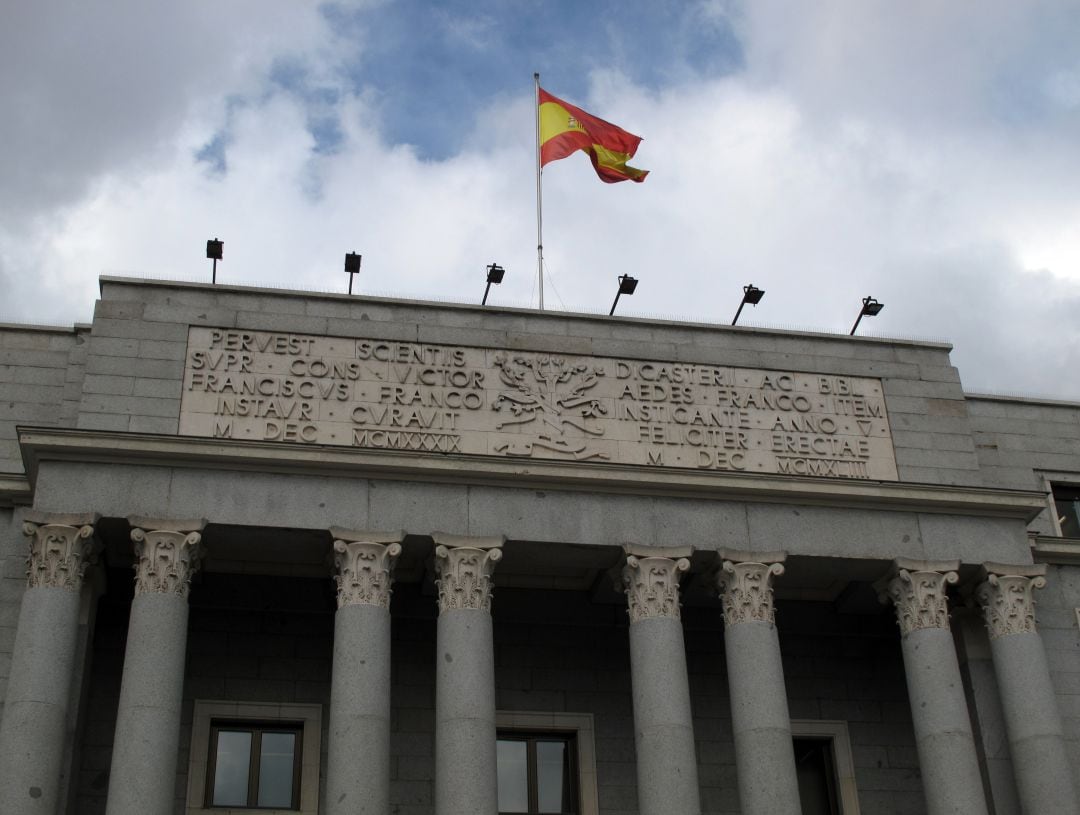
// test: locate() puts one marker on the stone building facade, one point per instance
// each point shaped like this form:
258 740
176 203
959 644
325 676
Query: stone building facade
325 554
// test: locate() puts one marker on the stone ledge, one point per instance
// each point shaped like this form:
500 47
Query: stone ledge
119 447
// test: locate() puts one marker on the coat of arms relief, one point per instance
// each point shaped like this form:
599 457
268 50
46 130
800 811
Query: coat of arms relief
550 394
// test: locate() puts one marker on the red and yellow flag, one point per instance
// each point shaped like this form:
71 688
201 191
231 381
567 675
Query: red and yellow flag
565 129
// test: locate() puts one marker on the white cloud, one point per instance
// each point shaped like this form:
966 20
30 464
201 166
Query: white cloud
857 154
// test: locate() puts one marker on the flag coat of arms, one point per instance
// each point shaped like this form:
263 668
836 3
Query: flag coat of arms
565 129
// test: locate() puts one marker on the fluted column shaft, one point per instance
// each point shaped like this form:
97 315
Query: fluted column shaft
1044 774
465 751
142 780
760 721
32 734
663 724
358 763
951 779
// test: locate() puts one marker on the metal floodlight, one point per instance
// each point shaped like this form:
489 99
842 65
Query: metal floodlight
495 274
627 285
752 295
870 308
213 252
352 267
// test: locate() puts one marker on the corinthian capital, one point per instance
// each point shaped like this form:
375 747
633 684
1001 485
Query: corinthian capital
651 580
364 562
1006 594
917 591
745 584
167 554
62 548
464 566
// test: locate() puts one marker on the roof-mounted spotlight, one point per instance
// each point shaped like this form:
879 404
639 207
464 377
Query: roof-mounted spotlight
752 295
870 308
627 285
213 252
495 274
352 267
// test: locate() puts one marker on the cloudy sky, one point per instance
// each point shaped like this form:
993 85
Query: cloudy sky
925 153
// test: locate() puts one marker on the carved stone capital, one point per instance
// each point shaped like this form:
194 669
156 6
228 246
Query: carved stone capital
167 555
365 562
464 566
1006 595
746 586
917 591
651 583
62 548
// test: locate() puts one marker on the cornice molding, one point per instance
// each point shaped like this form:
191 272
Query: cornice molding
15 490
51 444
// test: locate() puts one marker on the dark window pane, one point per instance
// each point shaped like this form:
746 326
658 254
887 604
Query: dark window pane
513 769
817 782
276 764
233 761
552 776
1067 502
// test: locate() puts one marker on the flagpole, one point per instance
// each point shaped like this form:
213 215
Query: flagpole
539 197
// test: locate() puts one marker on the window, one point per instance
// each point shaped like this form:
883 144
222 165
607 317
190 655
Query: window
546 763
825 770
817 777
1067 506
254 765
536 773
261 757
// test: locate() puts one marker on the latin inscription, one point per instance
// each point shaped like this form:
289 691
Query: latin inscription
436 399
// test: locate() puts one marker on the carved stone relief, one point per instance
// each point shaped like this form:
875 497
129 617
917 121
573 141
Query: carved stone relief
652 586
165 560
746 590
464 574
364 572
60 554
918 593
1008 603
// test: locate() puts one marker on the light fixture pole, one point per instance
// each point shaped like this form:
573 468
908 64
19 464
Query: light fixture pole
627 284
870 308
752 295
495 274
214 249
352 267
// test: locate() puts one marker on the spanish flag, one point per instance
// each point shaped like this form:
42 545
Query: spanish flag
565 129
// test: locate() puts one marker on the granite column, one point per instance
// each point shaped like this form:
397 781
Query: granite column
1044 774
358 763
62 547
951 779
142 780
764 755
663 724
465 752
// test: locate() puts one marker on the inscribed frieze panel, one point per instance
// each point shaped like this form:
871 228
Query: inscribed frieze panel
437 399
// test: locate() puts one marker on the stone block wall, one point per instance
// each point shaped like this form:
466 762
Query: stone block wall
40 382
12 585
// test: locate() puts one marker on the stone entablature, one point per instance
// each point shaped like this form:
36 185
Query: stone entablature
428 398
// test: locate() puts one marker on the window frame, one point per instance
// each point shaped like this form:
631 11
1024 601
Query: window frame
836 733
578 726
307 718
257 729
